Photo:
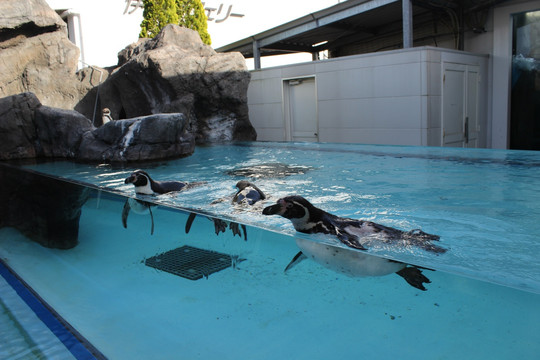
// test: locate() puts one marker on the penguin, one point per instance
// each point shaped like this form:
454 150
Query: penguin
247 194
355 234
139 207
106 115
145 185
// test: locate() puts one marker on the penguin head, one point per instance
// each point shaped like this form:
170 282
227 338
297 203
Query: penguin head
138 178
242 184
142 182
249 187
290 207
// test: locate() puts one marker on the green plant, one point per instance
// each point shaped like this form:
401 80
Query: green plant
191 15
186 13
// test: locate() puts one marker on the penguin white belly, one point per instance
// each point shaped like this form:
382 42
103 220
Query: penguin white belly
349 262
146 189
138 207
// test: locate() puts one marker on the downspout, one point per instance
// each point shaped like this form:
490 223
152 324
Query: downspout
77 33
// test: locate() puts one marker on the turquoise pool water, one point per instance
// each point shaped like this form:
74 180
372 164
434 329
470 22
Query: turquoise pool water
482 302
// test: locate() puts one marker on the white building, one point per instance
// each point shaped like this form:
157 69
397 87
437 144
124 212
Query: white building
438 72
471 79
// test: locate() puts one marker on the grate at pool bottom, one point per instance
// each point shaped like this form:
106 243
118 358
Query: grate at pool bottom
190 262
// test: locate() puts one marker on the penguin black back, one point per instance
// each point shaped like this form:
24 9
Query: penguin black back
144 184
309 219
248 193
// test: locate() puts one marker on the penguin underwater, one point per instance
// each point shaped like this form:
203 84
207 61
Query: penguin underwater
247 194
309 219
145 185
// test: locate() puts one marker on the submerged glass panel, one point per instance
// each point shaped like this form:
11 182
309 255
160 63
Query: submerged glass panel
483 204
525 95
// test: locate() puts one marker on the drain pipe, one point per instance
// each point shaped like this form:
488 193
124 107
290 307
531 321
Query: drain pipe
75 36
75 30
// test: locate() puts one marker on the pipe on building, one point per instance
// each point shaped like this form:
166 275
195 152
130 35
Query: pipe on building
407 15
77 37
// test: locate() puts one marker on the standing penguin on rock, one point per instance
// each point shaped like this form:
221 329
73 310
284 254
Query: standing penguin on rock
247 194
145 185
309 219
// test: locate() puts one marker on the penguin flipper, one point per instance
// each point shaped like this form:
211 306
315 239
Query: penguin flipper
125 213
350 240
414 277
295 261
189 221
152 218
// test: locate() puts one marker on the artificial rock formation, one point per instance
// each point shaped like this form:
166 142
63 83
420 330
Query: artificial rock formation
151 137
172 73
37 56
176 72
32 130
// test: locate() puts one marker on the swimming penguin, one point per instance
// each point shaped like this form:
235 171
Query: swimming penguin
145 185
247 194
306 218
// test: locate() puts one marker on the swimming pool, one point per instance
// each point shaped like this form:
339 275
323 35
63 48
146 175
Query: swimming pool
482 301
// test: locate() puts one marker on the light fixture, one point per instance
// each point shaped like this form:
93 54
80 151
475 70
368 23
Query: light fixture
320 43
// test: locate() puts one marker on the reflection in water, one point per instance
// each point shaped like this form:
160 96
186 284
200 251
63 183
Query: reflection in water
269 170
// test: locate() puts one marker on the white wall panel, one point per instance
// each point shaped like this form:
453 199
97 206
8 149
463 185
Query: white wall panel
391 97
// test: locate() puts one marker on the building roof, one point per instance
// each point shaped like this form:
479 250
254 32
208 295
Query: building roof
346 22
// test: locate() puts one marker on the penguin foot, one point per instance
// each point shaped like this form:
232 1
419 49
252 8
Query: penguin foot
219 225
235 229
414 277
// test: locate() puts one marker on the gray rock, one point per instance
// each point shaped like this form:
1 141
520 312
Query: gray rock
152 137
172 73
32 130
15 14
36 54
176 72
17 130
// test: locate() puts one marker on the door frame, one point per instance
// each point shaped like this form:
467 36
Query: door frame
467 130
286 110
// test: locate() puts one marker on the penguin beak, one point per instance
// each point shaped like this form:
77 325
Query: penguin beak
276 209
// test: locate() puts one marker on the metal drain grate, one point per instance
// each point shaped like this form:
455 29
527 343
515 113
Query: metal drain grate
190 262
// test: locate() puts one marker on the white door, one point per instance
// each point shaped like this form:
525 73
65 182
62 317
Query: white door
302 110
460 125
